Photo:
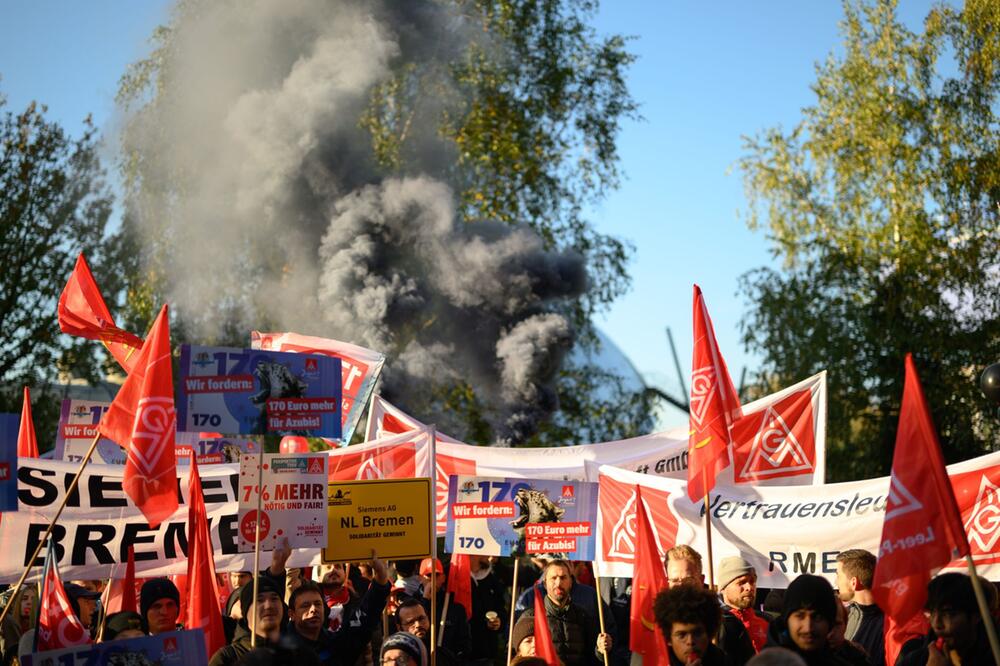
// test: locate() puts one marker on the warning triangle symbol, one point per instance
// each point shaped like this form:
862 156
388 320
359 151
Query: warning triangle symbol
900 501
775 450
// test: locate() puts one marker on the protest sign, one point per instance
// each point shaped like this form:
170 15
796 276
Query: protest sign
360 368
391 518
784 532
253 392
99 523
183 648
292 500
9 426
504 516
78 424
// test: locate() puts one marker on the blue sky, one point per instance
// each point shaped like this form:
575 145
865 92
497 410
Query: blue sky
707 74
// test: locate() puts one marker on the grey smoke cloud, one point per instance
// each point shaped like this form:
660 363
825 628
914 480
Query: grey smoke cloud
261 182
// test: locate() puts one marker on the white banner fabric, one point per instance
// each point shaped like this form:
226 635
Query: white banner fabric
784 531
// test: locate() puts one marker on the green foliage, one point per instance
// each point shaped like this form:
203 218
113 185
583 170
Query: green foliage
54 204
882 204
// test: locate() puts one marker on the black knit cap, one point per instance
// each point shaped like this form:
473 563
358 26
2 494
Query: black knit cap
154 590
813 593
264 584
119 622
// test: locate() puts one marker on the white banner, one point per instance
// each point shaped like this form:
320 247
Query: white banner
99 523
781 440
292 500
784 532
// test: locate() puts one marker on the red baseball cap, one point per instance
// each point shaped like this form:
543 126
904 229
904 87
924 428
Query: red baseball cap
425 566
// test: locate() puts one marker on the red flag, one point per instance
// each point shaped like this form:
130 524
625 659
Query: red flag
121 593
922 528
143 421
27 443
895 636
648 579
83 313
714 406
202 593
544 647
58 626
460 581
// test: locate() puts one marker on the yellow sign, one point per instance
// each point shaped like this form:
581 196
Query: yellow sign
393 517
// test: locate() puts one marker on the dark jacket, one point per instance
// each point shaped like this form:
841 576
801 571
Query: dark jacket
487 595
865 626
979 655
777 636
230 655
333 648
574 633
734 639
713 657
457 637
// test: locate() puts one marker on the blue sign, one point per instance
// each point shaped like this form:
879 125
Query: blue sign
504 516
255 392
9 425
180 648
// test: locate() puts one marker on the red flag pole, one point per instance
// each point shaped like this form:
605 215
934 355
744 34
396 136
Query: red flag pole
600 609
52 523
256 549
513 603
984 610
444 616
433 433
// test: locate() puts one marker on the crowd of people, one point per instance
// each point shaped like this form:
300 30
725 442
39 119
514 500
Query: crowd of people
379 613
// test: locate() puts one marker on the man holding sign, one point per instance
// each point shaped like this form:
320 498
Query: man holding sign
575 633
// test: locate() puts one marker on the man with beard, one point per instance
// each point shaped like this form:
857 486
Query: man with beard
808 615
689 617
411 617
743 633
261 615
575 634
865 620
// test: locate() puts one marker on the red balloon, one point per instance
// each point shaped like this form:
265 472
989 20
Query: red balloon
294 445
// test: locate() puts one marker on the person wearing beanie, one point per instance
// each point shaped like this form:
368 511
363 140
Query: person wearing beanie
688 617
522 643
403 649
122 625
159 606
808 615
262 615
743 633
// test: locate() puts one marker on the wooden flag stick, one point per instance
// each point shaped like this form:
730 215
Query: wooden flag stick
433 500
256 549
48 531
984 610
600 610
444 616
708 537
513 603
